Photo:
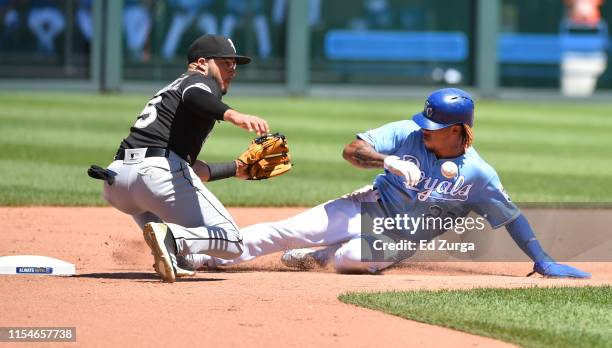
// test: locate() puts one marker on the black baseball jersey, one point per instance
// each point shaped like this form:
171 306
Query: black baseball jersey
179 117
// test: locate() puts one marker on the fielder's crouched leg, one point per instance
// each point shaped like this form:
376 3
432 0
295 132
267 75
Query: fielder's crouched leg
225 243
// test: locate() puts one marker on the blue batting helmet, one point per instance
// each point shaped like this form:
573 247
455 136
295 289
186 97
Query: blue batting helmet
446 107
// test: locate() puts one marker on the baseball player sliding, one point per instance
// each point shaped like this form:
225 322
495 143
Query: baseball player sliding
156 176
427 159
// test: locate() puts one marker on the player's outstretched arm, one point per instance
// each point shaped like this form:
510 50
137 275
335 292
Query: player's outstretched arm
361 154
248 122
523 235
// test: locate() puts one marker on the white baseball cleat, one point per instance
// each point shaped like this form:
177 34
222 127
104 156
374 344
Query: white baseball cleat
160 240
304 259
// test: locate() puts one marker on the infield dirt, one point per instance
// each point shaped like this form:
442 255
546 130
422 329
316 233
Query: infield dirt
117 300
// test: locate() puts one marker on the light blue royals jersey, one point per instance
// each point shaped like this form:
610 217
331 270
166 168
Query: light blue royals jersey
476 187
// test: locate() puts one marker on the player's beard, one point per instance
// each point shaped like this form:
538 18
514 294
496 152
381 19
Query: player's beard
225 87
216 75
427 141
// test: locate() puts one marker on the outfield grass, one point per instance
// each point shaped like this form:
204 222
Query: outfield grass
543 152
531 317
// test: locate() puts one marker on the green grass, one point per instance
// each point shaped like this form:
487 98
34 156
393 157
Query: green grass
531 317
544 152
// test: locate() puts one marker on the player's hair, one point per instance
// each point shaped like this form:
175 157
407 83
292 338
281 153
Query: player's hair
468 136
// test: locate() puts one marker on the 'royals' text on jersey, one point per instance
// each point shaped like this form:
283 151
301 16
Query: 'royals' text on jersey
166 122
476 187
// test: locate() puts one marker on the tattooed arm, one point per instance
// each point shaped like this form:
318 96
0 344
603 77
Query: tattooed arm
361 154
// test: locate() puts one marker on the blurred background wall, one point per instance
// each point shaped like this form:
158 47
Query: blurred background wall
301 45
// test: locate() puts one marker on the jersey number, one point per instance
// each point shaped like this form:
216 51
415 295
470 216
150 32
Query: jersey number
148 114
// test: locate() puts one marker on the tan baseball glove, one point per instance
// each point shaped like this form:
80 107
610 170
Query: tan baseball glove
267 156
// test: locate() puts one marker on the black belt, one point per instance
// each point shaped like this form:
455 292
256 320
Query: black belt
151 152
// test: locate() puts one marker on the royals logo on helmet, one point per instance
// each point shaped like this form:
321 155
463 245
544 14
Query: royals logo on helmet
428 109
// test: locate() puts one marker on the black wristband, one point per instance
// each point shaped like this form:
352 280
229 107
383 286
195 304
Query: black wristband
220 171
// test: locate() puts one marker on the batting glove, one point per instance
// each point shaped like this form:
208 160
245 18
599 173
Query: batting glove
557 270
405 169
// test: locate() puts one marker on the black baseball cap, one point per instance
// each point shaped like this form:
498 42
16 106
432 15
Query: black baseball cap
214 46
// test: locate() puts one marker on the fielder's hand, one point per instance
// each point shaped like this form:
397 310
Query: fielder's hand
248 122
405 169
557 270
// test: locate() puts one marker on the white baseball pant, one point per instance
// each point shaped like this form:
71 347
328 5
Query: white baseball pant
335 224
166 189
